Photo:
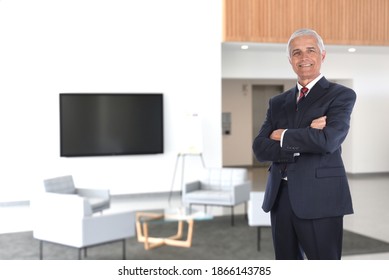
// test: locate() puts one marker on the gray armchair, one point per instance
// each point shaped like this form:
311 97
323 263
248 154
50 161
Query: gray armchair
99 199
225 187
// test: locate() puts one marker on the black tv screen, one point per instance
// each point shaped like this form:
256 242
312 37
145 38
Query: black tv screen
111 124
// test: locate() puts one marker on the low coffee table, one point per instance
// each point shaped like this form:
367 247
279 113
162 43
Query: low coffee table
179 215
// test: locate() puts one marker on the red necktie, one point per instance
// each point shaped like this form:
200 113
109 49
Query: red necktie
301 97
303 91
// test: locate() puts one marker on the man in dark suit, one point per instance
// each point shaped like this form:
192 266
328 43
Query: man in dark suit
307 190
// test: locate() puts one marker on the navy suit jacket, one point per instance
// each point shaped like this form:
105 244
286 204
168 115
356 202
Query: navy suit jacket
317 182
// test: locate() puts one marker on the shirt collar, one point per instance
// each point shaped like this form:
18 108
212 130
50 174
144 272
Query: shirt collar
310 85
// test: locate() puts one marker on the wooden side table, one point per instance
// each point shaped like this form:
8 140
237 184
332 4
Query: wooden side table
143 219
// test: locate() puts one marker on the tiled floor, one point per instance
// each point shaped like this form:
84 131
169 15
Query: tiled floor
370 196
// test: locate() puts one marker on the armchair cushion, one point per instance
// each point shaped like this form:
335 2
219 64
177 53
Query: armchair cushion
209 197
98 199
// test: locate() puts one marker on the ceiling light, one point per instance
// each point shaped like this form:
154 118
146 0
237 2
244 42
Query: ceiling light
244 47
352 50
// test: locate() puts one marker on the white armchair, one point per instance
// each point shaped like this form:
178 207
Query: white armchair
99 199
69 220
226 187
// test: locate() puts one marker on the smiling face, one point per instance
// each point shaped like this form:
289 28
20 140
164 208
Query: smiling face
306 58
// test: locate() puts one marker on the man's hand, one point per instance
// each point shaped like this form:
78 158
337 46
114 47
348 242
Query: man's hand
276 134
319 123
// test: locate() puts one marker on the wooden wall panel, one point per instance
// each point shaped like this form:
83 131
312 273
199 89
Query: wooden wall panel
357 22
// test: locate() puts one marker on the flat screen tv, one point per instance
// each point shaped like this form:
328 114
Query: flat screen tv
102 124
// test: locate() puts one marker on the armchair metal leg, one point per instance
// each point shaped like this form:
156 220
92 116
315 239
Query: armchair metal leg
124 249
258 239
232 215
40 249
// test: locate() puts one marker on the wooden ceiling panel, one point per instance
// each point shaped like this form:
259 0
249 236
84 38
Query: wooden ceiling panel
357 22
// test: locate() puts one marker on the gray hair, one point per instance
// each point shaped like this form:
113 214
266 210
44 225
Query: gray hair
306 32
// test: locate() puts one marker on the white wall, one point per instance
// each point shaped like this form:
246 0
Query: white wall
365 149
48 47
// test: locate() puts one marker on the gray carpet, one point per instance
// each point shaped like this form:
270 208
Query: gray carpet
215 239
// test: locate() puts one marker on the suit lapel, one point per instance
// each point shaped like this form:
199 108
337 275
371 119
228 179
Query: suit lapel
318 90
290 106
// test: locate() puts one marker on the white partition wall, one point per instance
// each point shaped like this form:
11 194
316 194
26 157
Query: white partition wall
49 47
